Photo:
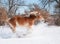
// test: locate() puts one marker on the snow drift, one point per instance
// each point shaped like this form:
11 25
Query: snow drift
41 34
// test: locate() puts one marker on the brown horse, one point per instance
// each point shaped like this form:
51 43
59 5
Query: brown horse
23 21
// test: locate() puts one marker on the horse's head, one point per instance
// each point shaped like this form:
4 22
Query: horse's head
38 16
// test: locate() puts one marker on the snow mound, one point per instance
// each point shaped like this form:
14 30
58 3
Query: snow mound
41 30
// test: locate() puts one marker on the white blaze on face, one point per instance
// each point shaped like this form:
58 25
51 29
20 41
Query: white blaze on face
42 19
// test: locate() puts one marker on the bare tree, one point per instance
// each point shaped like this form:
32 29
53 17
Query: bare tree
45 2
57 7
13 6
57 12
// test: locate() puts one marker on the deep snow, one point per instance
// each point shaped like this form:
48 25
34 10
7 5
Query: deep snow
41 34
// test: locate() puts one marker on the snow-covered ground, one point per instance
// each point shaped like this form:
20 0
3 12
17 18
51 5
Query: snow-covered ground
41 34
